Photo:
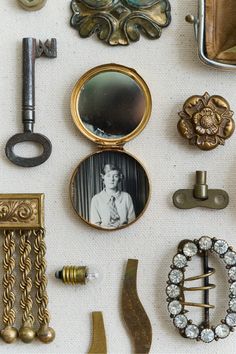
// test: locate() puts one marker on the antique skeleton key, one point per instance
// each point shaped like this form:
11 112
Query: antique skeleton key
31 51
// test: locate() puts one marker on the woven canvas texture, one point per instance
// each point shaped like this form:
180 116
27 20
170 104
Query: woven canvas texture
173 73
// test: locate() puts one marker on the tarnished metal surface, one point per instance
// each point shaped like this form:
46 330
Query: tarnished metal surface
120 22
201 196
134 314
99 344
30 52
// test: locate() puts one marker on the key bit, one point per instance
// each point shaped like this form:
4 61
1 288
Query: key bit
200 196
30 52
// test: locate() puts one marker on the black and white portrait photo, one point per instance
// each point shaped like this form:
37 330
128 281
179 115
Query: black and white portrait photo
110 189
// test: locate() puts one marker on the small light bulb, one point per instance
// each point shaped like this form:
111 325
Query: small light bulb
77 275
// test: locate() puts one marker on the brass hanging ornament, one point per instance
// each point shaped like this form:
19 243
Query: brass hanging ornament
22 226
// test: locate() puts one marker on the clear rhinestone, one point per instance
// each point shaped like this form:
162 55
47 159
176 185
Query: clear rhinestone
176 276
232 305
205 243
231 319
190 249
222 331
230 258
221 246
175 307
173 291
207 335
192 331
180 261
232 273
180 321
233 289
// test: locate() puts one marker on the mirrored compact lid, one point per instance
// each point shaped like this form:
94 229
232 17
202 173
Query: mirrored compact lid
215 32
111 104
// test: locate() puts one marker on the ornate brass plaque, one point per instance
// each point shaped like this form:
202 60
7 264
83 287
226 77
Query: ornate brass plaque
122 21
21 211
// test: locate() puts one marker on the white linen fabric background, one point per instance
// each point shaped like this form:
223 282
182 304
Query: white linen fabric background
173 72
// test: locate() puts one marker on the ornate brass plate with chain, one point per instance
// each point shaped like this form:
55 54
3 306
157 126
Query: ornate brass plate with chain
22 231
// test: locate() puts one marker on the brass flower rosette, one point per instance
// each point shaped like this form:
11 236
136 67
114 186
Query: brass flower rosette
206 121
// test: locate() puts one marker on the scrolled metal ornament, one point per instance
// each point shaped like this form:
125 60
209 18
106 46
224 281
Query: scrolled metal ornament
176 289
120 22
206 121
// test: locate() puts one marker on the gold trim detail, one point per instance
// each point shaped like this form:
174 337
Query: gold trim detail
75 99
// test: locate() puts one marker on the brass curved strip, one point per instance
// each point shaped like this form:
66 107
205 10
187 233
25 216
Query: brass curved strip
99 343
195 304
134 314
199 288
202 276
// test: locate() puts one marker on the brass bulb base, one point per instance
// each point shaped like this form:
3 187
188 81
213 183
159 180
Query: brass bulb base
72 275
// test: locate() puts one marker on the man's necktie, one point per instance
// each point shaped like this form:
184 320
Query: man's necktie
114 216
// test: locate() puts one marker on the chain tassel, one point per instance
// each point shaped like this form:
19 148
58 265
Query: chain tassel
26 332
45 333
9 333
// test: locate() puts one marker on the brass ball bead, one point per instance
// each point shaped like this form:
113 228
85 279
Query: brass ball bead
9 334
26 334
46 334
190 19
